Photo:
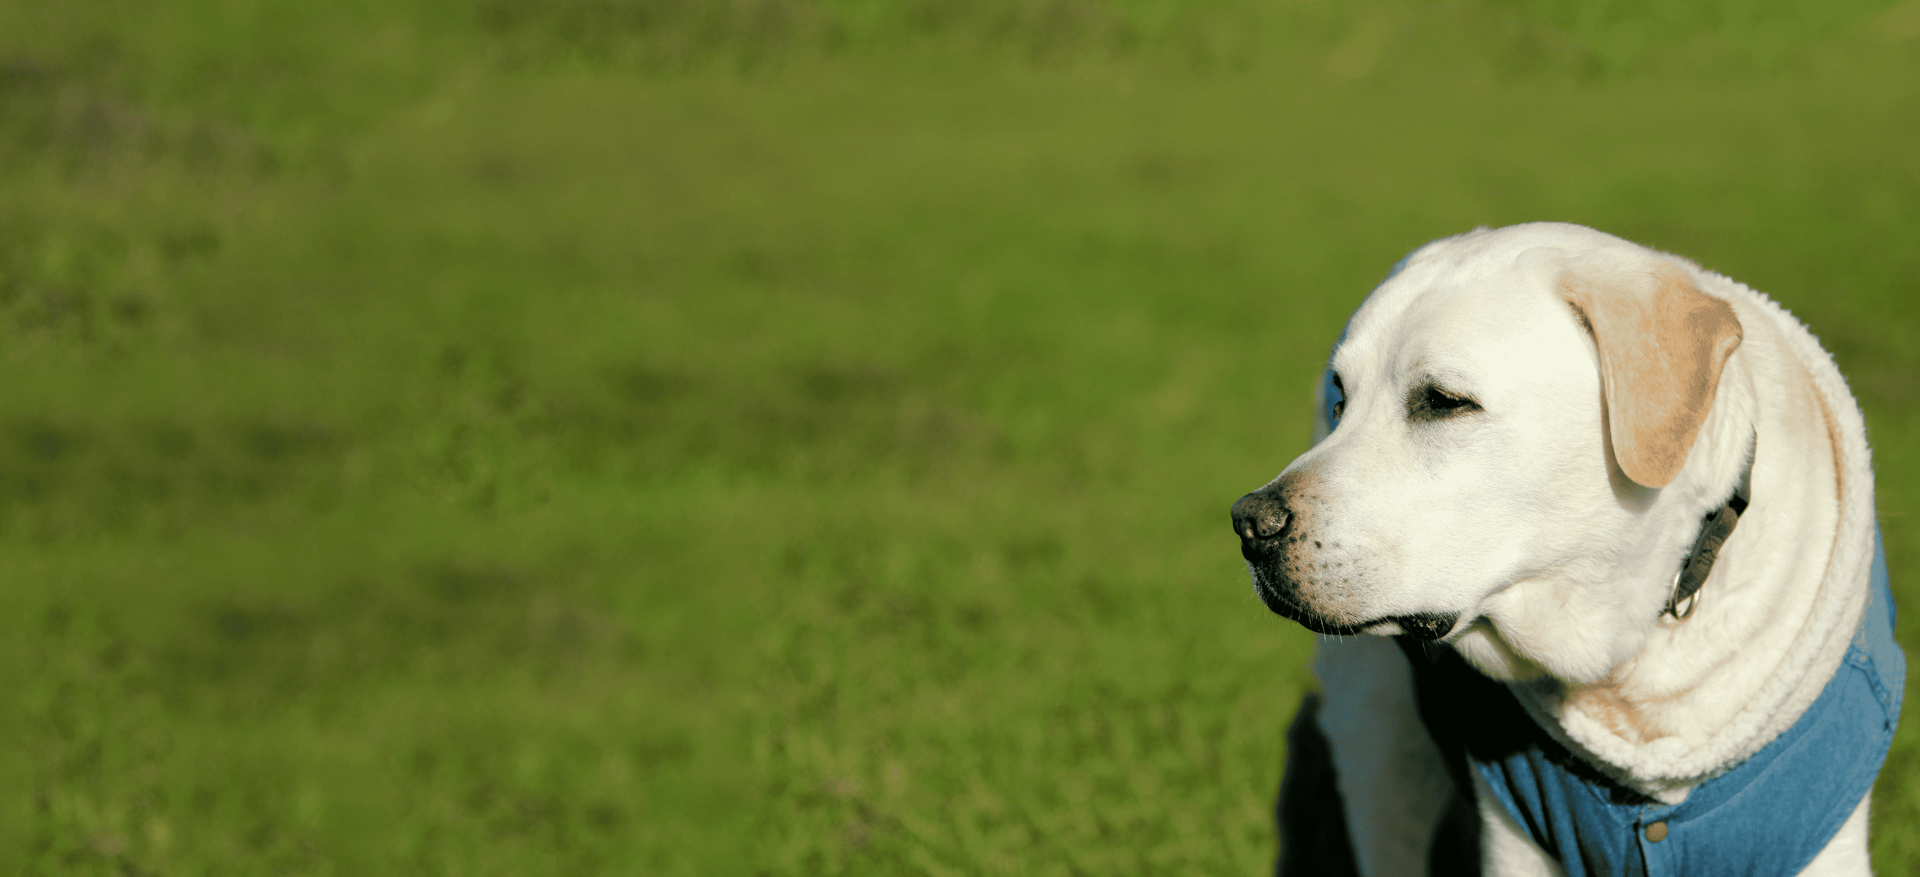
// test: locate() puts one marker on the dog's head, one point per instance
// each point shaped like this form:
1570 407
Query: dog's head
1504 465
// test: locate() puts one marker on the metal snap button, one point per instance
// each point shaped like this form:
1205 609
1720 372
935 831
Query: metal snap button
1657 832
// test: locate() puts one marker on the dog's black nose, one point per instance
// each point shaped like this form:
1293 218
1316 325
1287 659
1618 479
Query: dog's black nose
1260 515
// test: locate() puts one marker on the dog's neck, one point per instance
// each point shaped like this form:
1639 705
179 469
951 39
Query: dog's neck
1775 609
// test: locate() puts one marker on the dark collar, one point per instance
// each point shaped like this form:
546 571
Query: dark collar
1714 530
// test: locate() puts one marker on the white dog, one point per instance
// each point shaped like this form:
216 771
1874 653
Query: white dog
1533 442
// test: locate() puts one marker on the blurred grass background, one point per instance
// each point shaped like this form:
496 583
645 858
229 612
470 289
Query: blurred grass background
787 436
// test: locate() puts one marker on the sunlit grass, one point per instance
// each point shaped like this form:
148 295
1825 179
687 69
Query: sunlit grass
661 437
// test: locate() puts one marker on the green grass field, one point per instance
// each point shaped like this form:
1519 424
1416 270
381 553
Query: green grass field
788 436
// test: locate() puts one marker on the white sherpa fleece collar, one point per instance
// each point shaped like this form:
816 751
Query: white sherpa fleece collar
1668 766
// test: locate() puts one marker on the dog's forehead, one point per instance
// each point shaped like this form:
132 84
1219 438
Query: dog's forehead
1456 317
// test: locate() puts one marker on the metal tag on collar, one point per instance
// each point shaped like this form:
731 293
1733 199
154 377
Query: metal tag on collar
1714 530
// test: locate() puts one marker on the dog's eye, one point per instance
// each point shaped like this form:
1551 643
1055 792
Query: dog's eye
1429 402
1339 398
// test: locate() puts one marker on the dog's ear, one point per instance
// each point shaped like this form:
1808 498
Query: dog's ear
1662 343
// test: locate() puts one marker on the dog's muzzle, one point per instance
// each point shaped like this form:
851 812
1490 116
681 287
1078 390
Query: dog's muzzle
1265 527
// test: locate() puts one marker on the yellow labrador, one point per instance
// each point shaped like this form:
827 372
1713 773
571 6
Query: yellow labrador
1590 531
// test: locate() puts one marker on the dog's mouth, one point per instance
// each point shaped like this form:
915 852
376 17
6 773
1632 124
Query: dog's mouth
1285 607
1427 626
1424 626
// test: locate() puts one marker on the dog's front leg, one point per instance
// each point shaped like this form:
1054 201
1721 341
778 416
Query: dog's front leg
1845 855
1391 779
1505 848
